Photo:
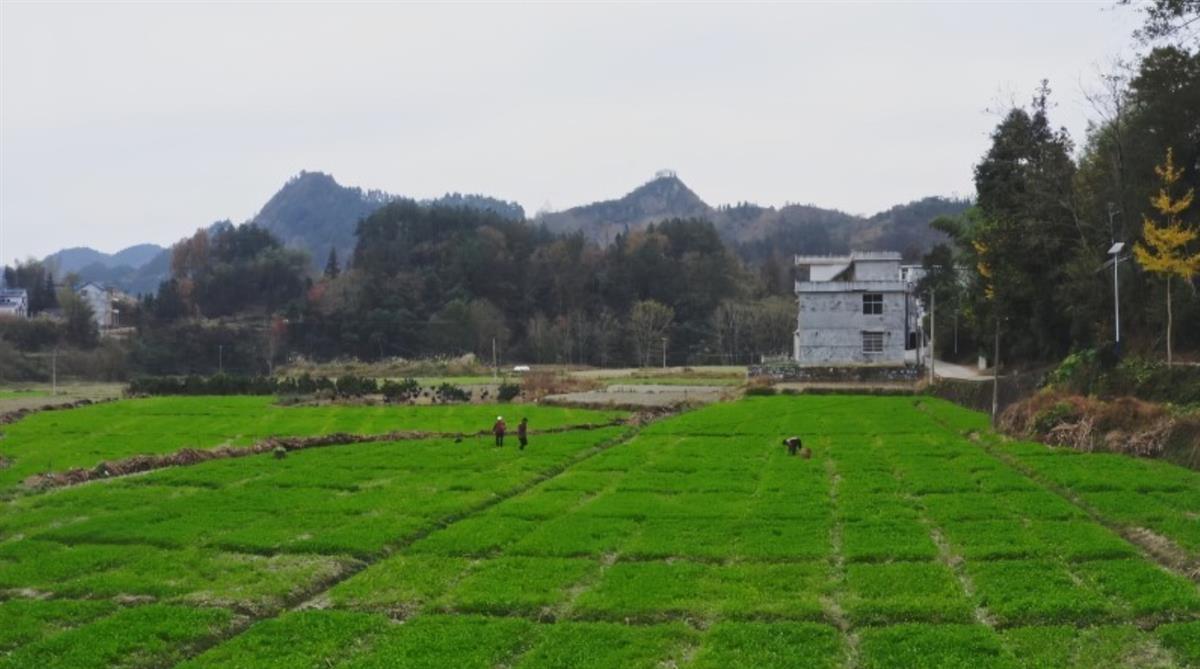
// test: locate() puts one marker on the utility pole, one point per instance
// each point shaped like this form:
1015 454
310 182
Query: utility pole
495 365
996 374
221 359
956 308
932 330
664 351
54 372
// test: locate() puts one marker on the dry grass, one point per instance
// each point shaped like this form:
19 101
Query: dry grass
536 385
1122 425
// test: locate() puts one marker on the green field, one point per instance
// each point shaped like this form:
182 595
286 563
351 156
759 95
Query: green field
694 542
59 440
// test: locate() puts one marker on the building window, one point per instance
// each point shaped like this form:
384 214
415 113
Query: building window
872 342
873 303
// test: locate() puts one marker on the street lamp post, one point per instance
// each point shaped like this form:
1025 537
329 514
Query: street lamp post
1115 252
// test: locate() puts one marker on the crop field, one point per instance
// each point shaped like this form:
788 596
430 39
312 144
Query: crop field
83 437
912 538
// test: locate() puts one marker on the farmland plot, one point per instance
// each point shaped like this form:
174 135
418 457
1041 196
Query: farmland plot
696 543
59 440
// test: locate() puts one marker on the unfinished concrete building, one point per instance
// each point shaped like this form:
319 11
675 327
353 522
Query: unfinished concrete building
853 310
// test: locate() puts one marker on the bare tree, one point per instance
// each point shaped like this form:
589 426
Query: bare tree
649 322
607 333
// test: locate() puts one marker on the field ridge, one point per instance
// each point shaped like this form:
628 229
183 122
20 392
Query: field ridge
1159 549
298 601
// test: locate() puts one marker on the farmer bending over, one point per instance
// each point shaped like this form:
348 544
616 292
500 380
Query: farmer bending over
796 447
498 430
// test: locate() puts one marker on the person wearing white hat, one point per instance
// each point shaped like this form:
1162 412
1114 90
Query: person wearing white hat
498 429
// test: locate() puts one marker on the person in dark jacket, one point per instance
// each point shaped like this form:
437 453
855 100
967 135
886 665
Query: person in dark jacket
498 429
523 432
795 446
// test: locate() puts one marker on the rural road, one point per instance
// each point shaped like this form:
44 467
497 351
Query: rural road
949 370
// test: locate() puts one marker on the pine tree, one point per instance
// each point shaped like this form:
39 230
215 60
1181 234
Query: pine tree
331 265
1165 250
50 297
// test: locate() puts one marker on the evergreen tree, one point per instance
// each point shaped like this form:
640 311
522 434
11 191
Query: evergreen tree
1028 225
331 265
50 293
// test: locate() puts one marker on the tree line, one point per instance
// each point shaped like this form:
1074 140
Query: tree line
443 280
1027 270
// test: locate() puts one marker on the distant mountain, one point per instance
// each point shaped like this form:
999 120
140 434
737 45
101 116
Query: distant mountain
137 269
757 231
314 213
79 257
136 256
662 198
807 229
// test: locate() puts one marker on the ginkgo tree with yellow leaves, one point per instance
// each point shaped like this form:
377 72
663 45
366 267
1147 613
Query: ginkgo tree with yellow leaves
1165 249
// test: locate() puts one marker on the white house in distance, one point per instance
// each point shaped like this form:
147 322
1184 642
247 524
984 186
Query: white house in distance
853 310
100 299
14 303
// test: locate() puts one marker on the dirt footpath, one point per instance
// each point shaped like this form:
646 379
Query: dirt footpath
646 395
13 400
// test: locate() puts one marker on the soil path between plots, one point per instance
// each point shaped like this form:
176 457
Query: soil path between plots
10 417
1155 547
322 587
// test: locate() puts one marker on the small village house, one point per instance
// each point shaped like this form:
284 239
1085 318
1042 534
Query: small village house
856 309
100 299
14 303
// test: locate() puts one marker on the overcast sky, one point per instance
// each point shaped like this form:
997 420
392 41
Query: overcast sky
131 123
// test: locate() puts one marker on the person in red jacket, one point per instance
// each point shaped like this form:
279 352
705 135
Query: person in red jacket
498 429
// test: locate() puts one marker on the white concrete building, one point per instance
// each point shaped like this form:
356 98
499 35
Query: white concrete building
14 302
100 299
853 310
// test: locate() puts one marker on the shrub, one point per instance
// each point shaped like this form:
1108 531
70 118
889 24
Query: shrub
355 386
1090 373
233 384
448 392
30 334
400 391
508 391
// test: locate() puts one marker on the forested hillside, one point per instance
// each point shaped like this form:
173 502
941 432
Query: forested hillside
314 213
755 231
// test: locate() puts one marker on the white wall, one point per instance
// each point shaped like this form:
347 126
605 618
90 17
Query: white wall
830 325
